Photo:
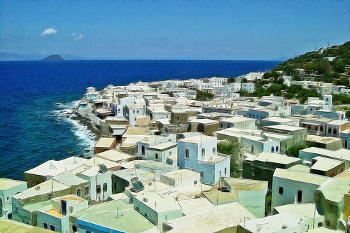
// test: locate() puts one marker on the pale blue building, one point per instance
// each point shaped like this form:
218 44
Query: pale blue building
199 153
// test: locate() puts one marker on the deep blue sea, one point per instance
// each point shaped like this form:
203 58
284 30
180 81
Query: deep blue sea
34 92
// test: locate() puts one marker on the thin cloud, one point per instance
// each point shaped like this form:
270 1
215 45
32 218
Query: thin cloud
49 31
77 36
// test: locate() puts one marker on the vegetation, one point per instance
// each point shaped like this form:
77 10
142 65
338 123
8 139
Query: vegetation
204 96
315 64
169 93
294 150
235 149
231 80
341 99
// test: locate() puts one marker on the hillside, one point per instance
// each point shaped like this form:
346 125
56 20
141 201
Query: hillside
53 58
326 63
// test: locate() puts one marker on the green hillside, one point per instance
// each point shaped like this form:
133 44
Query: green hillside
327 64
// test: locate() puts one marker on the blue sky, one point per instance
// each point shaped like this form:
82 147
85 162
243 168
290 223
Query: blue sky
161 29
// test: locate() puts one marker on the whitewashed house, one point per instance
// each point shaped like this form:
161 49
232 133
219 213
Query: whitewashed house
289 187
8 188
55 217
100 182
199 154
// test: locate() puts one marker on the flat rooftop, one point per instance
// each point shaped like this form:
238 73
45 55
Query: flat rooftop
105 142
303 211
197 139
325 164
9 183
179 174
11 226
300 176
212 220
272 158
337 187
277 119
236 119
284 127
272 223
163 146
321 139
342 154
237 185
116 215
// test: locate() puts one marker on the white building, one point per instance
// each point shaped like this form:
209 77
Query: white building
289 187
100 182
199 153
55 217
8 188
250 87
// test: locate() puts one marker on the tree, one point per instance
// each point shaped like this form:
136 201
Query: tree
348 114
244 92
235 150
294 150
231 80
204 96
244 80
339 67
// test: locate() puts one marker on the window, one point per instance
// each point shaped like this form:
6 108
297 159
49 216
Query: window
187 153
52 228
170 153
203 153
329 130
74 228
276 148
280 190
214 151
79 192
201 173
105 187
300 196
98 188
87 191
156 156
272 149
334 131
143 150
138 111
45 225
178 119
195 182
225 171
321 128
320 224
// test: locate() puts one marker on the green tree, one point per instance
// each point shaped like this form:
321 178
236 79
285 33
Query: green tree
244 80
339 66
244 92
204 96
235 150
231 80
348 114
294 150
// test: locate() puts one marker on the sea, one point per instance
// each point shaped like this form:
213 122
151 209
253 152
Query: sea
36 95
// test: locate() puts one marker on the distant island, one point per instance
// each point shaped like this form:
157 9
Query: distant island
53 58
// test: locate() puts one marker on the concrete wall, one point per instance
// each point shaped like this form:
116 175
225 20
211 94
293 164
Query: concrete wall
290 191
6 198
162 155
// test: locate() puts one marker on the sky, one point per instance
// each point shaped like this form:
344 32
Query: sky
178 29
